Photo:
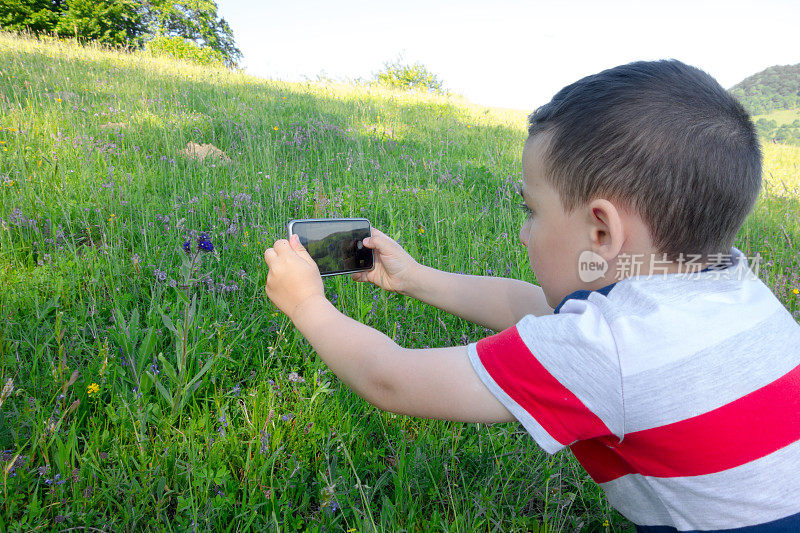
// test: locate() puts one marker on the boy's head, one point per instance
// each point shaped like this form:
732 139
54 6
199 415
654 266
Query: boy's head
652 157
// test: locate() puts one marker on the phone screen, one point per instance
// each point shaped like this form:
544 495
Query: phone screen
336 245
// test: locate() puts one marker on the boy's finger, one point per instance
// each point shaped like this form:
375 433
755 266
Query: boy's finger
377 238
294 242
269 255
281 246
369 241
373 241
298 247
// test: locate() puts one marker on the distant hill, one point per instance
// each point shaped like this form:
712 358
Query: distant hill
772 96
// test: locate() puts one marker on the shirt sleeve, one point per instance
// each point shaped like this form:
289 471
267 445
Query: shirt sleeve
559 375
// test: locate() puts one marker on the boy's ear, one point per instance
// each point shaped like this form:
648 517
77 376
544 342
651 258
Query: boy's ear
606 228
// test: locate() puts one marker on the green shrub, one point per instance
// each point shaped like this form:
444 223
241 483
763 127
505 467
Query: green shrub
403 76
180 48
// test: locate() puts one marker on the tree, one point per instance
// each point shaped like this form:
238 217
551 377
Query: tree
36 15
401 75
124 22
194 20
113 22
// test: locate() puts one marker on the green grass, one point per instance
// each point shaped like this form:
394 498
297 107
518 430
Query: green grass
211 411
780 116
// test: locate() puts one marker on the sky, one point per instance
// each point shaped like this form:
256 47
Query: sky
504 53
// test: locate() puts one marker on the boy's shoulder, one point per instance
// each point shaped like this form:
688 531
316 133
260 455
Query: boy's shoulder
662 320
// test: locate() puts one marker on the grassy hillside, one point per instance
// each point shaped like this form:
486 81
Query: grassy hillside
780 116
776 87
772 96
99 303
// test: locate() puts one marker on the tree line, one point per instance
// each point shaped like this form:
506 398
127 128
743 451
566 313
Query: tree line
772 89
777 87
173 24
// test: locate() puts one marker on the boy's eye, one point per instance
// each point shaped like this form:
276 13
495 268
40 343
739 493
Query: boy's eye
525 209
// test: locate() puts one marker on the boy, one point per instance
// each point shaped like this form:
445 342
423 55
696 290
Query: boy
675 383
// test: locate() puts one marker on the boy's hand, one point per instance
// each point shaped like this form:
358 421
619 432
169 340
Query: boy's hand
293 277
395 270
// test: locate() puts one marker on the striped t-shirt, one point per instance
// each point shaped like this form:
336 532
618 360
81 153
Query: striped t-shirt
678 393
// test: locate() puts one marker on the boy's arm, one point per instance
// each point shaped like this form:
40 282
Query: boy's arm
438 383
435 383
495 303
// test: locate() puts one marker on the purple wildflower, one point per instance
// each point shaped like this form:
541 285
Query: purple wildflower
204 244
187 246
55 480
294 376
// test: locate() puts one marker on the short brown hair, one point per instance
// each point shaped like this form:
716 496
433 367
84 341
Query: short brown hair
665 139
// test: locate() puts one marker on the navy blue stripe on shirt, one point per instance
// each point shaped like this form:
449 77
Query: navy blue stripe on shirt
582 295
790 524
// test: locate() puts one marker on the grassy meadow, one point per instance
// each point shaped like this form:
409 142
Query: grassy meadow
780 116
153 388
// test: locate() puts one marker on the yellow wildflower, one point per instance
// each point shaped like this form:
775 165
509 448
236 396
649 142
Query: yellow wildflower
605 523
796 291
58 100
275 128
92 389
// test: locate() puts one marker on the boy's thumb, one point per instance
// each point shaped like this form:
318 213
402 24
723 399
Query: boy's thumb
294 242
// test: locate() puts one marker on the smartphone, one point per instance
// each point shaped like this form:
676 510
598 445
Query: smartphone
335 244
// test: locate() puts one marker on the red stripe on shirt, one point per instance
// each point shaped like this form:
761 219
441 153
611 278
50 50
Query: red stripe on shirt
737 433
507 359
